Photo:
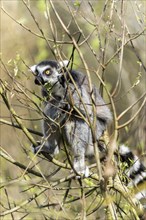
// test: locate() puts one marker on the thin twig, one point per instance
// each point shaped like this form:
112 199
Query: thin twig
12 124
18 164
134 116
32 32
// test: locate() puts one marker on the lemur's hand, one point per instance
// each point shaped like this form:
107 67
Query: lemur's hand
36 149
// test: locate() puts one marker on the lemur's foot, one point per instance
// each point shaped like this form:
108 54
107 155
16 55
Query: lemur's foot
44 149
82 172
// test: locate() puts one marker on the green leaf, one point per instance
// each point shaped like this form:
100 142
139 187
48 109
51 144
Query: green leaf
77 3
41 5
89 182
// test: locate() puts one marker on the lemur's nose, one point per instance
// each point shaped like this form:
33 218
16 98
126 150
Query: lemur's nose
39 80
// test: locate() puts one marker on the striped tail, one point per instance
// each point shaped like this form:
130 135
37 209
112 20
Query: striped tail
135 170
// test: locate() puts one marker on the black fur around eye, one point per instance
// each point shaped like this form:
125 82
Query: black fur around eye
36 72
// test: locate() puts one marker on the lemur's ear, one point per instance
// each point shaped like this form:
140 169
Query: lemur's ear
33 69
63 63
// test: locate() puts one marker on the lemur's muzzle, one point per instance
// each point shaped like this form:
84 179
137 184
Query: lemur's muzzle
39 80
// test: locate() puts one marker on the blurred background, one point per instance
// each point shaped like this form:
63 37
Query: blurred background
31 32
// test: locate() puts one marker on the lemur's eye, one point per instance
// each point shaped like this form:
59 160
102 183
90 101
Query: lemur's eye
47 72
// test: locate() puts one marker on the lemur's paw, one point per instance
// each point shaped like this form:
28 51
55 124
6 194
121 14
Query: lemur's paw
56 151
44 149
35 149
84 172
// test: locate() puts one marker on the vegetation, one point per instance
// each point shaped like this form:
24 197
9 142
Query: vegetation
103 39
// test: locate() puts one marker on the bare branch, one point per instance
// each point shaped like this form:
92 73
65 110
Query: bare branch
18 164
134 116
12 124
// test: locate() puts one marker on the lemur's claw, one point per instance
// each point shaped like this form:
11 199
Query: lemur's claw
35 149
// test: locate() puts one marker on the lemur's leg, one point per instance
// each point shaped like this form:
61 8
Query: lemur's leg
78 143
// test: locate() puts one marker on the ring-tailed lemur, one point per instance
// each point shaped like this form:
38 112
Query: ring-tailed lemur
67 106
68 111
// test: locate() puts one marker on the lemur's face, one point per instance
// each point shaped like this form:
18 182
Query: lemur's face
47 72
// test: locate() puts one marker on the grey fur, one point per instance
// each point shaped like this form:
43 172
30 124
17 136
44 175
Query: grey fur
65 112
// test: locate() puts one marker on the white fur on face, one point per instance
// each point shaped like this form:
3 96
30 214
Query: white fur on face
63 63
41 69
33 68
